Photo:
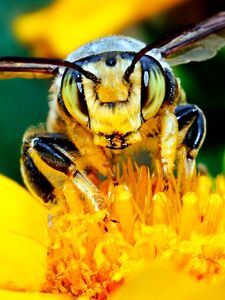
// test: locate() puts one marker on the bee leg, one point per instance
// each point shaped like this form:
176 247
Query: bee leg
168 144
192 130
48 160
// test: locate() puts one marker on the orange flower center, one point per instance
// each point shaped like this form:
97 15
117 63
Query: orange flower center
91 255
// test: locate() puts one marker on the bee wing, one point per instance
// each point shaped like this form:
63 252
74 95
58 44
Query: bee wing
201 42
11 67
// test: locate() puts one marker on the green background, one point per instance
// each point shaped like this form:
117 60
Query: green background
24 102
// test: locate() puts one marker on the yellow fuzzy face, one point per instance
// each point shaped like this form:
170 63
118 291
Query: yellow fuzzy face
115 108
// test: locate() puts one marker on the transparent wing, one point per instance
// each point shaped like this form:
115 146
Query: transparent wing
11 67
199 43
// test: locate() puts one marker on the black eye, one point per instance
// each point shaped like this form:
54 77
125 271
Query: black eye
153 86
110 61
73 96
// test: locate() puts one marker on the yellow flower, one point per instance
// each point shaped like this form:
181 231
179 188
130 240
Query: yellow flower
157 245
63 26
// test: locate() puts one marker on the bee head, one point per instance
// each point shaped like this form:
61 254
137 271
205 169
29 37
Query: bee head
115 105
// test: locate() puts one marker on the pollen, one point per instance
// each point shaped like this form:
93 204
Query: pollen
92 254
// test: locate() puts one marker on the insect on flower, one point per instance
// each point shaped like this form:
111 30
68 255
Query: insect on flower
108 96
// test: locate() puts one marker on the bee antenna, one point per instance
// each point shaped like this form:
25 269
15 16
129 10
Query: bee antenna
137 57
70 65
73 66
33 64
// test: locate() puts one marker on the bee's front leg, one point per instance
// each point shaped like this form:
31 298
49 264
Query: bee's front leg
48 160
168 143
192 130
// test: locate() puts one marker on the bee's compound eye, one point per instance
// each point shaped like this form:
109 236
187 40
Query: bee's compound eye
73 96
153 87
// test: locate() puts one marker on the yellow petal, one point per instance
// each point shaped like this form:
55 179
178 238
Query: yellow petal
23 238
20 212
53 33
214 292
9 295
161 282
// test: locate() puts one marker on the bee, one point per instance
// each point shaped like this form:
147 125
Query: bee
110 97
